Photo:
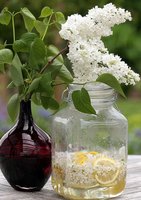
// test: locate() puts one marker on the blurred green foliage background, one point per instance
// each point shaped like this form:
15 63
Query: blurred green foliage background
125 42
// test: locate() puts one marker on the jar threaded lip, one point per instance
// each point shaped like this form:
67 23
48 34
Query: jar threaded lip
99 93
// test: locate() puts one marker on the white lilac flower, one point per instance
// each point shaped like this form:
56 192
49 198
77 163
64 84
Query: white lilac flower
105 18
87 52
98 22
70 30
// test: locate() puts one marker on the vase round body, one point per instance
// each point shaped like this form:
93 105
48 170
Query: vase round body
89 152
25 153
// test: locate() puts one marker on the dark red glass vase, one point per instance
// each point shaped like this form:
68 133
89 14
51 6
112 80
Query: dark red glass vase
25 153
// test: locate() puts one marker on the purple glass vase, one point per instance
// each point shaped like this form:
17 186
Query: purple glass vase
25 153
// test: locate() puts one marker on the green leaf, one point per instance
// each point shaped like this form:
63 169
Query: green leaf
34 85
63 105
81 101
28 38
17 62
46 21
21 91
53 51
2 46
28 19
11 85
46 11
23 45
60 18
48 102
110 80
85 96
44 102
54 69
65 75
16 76
45 84
37 53
5 17
20 46
40 27
53 104
16 71
6 56
29 23
36 98
27 13
1 68
13 106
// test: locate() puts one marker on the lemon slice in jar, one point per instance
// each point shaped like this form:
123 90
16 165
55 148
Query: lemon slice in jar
106 171
80 158
93 153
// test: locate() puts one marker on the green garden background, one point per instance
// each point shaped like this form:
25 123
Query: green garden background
125 42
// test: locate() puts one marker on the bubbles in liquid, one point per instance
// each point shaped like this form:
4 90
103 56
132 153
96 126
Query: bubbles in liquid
88 175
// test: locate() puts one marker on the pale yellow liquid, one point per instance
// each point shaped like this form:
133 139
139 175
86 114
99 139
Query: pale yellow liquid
90 191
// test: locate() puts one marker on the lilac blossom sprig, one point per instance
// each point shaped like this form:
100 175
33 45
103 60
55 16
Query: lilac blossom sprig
87 52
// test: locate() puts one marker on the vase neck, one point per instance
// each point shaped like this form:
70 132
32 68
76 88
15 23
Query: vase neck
25 115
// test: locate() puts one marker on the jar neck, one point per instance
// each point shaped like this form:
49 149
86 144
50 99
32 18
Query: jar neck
101 94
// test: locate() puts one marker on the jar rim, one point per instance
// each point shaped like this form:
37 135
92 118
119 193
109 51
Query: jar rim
91 86
98 92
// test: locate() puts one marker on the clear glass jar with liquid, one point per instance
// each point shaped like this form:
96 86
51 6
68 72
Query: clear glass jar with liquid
89 152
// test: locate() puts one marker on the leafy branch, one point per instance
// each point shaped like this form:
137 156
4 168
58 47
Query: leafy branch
34 66
34 76
53 59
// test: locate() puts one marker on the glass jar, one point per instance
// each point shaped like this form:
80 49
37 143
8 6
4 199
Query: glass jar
90 151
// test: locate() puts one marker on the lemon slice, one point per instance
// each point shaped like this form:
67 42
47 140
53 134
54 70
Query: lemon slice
80 158
106 171
93 153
